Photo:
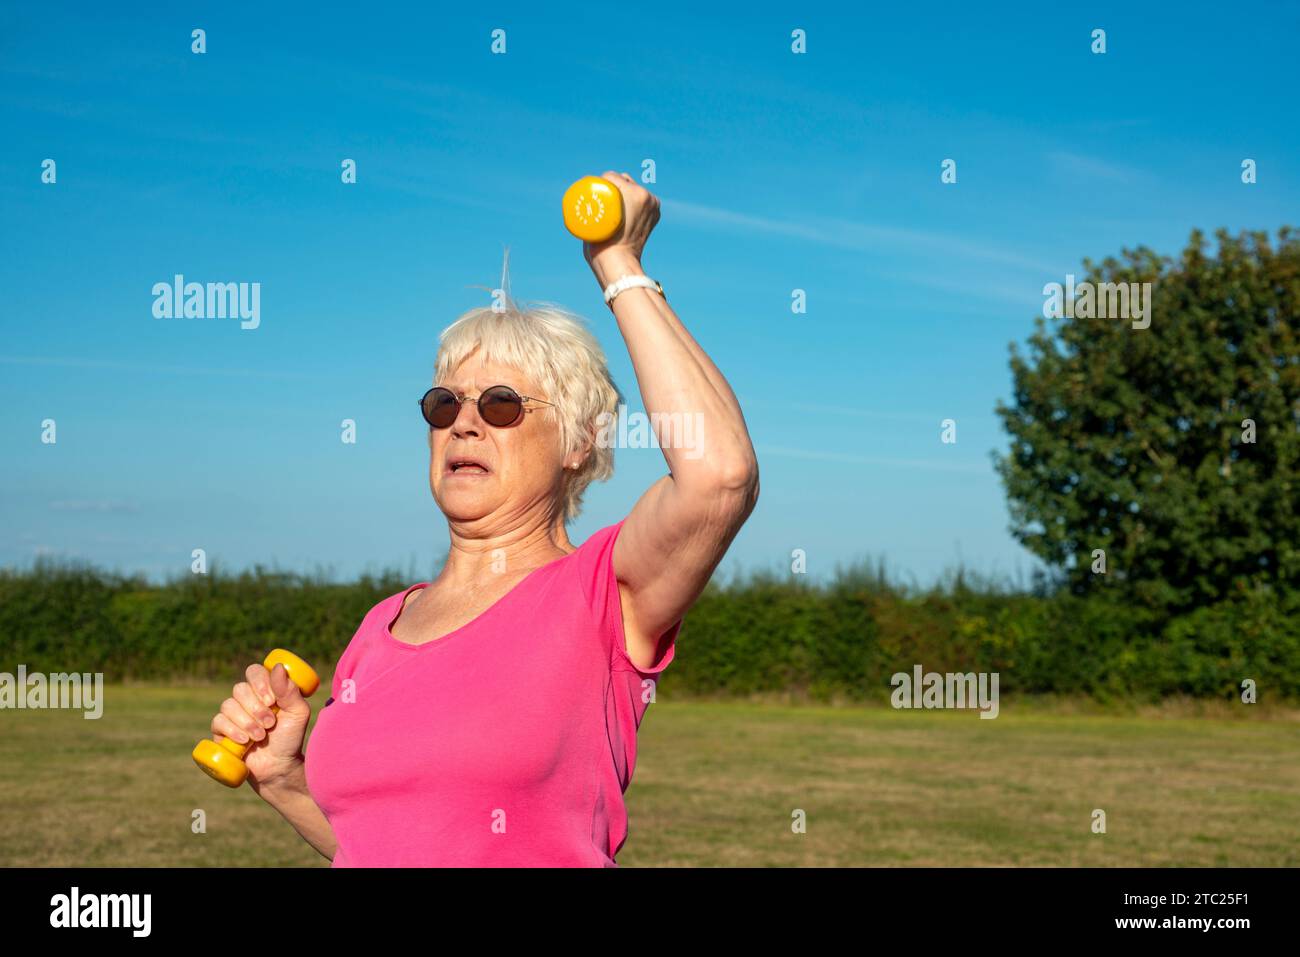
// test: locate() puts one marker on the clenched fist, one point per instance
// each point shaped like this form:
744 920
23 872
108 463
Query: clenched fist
621 253
275 739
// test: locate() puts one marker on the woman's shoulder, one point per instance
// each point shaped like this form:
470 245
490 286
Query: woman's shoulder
600 541
593 557
389 606
380 616
401 600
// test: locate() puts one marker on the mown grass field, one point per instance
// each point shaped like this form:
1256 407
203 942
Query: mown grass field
717 783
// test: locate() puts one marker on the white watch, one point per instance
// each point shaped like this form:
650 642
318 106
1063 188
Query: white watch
630 282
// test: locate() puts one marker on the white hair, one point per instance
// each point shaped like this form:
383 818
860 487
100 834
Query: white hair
554 348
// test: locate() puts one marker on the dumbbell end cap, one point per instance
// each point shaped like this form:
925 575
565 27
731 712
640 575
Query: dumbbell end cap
300 673
593 209
219 764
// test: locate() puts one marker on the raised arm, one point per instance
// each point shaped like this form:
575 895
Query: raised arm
678 531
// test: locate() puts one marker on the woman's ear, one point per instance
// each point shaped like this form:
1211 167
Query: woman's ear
580 457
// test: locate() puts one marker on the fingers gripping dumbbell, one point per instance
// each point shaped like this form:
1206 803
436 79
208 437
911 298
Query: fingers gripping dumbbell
224 760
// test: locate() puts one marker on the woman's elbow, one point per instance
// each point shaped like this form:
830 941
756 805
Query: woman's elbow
736 483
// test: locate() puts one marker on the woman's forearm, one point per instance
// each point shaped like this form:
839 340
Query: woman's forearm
293 800
677 376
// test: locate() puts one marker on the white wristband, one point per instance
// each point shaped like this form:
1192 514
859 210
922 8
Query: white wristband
631 282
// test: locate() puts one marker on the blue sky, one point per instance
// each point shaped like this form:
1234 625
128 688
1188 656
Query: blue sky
776 172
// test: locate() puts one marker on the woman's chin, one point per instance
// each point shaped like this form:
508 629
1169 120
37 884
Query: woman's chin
462 501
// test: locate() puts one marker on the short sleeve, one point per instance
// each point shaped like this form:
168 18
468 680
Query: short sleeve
346 666
601 587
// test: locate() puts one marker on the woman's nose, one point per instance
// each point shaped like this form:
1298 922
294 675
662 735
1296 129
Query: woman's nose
467 419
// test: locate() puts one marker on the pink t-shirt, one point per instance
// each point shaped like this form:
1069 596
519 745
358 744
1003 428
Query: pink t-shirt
506 743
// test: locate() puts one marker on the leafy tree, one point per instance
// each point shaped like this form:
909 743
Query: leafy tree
1139 441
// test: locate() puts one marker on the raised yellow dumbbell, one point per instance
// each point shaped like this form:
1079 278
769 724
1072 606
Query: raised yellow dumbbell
593 209
224 760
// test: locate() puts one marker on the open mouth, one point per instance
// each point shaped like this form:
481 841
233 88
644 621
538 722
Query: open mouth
466 466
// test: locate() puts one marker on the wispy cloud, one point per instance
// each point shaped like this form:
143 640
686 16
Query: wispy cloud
78 363
848 234
928 464
1078 166
93 505
852 411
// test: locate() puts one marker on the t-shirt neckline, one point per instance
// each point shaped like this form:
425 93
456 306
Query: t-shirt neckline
388 624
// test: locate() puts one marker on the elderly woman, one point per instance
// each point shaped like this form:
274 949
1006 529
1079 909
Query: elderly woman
489 717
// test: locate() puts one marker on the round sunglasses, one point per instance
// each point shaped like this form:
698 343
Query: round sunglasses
499 406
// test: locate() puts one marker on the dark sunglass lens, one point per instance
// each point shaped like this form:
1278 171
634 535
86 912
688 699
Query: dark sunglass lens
440 408
500 406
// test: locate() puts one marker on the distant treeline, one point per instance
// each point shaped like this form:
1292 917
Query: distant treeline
763 633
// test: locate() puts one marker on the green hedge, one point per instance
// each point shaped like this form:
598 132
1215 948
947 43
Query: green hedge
75 618
766 633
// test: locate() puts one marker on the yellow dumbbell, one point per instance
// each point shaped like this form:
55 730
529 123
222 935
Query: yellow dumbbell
593 209
224 760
